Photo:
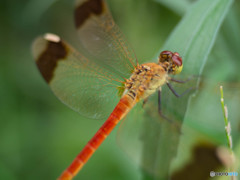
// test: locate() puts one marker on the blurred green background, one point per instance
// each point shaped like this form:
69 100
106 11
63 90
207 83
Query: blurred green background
39 136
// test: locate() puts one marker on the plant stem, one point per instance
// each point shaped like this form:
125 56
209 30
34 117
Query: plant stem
227 123
227 128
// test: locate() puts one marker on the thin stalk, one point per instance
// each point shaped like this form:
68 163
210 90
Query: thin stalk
227 123
227 130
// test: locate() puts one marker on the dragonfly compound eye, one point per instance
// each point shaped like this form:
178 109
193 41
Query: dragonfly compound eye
165 55
177 54
177 59
177 64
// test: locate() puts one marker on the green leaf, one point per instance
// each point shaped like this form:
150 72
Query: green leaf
179 7
193 39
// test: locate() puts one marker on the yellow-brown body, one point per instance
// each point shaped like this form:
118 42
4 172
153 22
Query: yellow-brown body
145 80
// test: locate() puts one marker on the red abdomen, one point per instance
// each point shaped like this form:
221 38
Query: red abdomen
122 108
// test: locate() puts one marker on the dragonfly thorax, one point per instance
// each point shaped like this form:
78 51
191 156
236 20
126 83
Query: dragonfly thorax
145 80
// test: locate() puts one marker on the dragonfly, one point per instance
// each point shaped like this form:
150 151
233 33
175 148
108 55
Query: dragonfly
107 73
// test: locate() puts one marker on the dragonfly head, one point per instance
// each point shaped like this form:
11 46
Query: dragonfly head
171 61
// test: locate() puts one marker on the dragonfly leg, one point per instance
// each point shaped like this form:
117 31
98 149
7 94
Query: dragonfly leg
144 102
160 108
181 81
176 94
163 116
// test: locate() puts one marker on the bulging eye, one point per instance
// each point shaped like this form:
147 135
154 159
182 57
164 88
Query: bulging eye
177 59
165 55
177 54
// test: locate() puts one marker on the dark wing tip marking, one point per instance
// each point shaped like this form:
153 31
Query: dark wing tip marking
84 10
54 51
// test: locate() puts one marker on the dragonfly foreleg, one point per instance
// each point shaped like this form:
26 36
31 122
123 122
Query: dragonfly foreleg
176 94
181 81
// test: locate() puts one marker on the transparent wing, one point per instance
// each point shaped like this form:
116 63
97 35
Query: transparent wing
160 147
102 38
83 85
144 129
143 137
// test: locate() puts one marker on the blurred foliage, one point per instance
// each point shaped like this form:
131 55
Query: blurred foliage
39 136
